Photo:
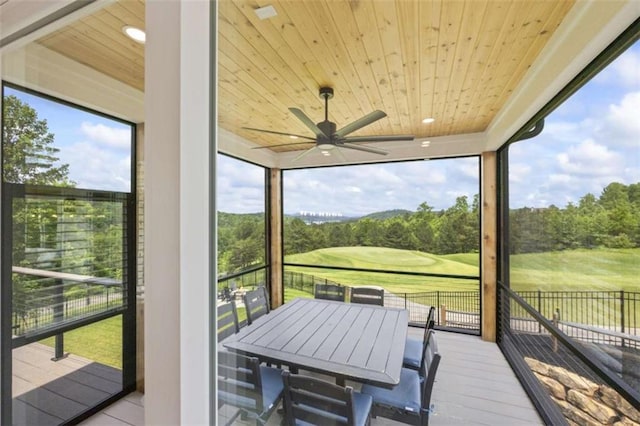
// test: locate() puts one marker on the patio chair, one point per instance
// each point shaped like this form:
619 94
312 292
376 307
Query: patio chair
414 348
410 401
257 303
309 400
245 384
227 320
329 292
367 296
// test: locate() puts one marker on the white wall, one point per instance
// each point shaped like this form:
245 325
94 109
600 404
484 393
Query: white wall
177 258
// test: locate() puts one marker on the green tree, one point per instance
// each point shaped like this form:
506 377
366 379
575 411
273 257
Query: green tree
28 152
422 225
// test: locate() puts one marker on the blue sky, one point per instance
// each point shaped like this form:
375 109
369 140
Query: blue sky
591 140
97 149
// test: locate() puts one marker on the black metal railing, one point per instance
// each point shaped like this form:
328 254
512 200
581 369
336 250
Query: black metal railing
234 285
595 316
568 377
53 305
455 309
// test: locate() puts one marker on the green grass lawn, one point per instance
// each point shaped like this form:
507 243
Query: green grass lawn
387 259
599 269
570 270
100 342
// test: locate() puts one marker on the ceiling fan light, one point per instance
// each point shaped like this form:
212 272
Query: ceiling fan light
325 146
326 153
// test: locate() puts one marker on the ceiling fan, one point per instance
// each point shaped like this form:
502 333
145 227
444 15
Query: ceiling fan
328 138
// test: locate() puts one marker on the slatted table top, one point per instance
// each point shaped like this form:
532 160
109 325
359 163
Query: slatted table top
364 343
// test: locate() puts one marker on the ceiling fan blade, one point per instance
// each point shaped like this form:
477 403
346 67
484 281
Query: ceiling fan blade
340 154
307 122
279 133
364 148
303 154
282 144
360 123
389 138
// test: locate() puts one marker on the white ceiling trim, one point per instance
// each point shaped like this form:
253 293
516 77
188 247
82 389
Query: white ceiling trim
17 15
48 72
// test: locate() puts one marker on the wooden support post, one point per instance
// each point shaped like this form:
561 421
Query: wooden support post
556 322
489 220
275 238
443 315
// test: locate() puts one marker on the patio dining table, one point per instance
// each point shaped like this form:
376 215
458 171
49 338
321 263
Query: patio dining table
364 343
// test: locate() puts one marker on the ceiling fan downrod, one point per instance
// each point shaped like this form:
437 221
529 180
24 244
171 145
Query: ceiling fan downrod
326 93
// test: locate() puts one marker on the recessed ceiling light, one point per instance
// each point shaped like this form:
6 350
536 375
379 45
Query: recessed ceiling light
293 137
425 144
266 12
428 120
136 34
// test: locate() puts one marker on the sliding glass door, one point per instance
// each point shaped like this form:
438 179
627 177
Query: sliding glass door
68 260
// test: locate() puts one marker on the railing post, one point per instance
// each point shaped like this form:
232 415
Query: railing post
405 300
622 314
540 310
443 315
58 316
438 304
59 348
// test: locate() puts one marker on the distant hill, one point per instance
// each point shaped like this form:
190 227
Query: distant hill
387 214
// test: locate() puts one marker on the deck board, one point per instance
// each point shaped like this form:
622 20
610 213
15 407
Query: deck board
47 392
474 386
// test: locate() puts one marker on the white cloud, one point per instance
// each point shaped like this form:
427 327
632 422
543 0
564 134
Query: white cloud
627 68
93 167
621 126
590 159
112 137
518 172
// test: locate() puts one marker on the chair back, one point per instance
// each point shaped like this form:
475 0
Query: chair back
227 320
316 401
329 292
367 296
257 303
239 380
428 326
428 368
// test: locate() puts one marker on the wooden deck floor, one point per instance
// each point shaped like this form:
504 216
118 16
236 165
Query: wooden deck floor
47 392
474 386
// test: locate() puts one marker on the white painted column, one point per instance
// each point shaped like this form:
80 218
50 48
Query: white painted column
178 228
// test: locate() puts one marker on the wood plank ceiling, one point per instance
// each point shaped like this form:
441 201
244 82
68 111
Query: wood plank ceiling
456 61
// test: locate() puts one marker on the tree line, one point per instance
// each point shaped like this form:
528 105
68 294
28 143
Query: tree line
611 220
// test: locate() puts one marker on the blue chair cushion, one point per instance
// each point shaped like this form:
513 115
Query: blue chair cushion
272 388
361 405
412 353
405 396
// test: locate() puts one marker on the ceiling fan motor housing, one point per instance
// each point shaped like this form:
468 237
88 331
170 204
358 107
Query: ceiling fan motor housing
326 92
328 128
